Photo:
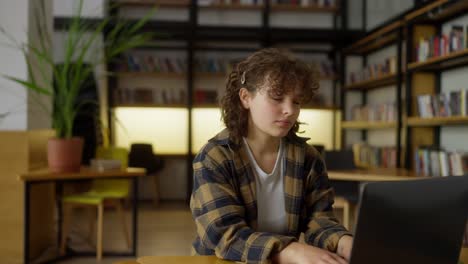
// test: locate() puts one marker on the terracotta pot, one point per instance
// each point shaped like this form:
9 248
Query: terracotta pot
64 155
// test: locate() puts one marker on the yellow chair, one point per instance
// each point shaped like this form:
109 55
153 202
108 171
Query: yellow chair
108 191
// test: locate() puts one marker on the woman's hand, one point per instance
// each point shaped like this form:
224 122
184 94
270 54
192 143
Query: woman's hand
345 244
297 253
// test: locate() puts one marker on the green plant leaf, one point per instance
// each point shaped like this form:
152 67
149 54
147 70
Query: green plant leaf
29 85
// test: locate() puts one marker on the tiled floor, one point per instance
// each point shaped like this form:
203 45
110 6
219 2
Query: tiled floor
166 230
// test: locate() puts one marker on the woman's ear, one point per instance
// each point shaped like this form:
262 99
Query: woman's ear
244 96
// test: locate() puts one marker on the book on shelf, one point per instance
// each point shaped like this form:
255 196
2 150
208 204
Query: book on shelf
372 156
441 45
384 112
453 103
150 63
214 65
374 71
437 162
205 96
145 95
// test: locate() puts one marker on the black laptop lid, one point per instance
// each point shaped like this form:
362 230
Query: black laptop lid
418 221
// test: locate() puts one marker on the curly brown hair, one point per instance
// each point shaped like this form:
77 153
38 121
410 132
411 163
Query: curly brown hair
276 69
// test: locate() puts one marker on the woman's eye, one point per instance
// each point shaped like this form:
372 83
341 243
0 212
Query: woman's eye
297 103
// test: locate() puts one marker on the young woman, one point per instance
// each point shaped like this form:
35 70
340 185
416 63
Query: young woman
257 185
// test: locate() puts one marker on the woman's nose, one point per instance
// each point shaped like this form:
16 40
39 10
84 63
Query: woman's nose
288 108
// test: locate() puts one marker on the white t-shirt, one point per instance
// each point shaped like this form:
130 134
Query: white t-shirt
270 194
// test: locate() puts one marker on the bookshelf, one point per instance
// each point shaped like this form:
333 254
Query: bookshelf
454 59
387 79
436 48
198 81
422 76
437 121
367 125
375 76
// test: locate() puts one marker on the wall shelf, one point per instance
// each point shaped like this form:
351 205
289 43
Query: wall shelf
437 12
376 39
454 59
373 83
437 121
367 125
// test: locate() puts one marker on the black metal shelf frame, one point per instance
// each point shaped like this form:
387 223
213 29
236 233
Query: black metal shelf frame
396 79
192 35
435 17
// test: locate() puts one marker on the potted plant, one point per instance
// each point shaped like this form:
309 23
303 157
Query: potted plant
66 79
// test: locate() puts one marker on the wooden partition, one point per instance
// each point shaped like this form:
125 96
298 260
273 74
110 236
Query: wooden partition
22 151
463 259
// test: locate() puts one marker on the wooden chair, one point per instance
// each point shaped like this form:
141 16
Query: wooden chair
108 192
341 160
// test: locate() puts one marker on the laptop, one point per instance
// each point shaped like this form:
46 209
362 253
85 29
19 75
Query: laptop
411 222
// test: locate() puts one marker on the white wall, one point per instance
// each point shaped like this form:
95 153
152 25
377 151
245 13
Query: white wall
19 105
90 8
14 20
379 11
355 14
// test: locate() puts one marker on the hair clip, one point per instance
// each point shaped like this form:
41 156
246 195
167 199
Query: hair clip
243 78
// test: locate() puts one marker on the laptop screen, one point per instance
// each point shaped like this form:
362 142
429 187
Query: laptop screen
417 221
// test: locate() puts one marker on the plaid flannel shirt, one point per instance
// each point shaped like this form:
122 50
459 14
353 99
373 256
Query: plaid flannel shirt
223 202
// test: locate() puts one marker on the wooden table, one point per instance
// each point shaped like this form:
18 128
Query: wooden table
371 175
182 260
347 182
85 173
214 260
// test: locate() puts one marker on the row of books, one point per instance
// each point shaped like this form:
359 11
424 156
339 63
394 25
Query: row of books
436 46
389 66
385 112
371 156
321 3
215 65
204 96
325 67
433 161
146 95
454 103
149 63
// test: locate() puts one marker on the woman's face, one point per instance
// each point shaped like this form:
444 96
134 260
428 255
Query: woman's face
270 114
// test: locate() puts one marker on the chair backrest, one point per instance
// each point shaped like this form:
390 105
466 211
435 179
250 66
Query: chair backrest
339 160
141 155
112 185
319 148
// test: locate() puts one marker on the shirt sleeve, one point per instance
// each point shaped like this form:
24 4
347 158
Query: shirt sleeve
220 218
323 229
